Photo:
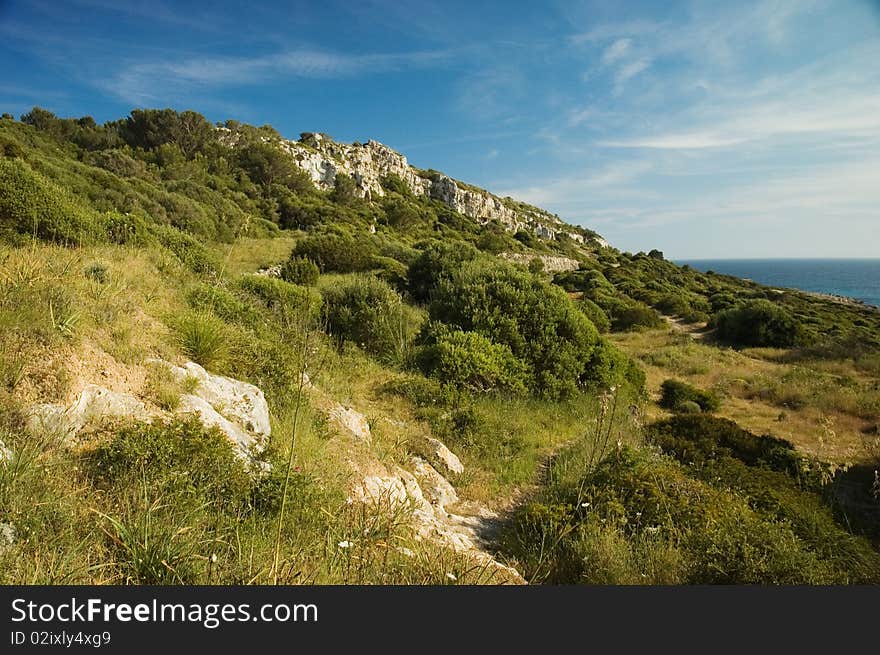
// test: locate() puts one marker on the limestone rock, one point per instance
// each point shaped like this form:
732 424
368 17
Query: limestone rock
5 453
551 264
239 402
7 536
94 403
436 452
351 421
211 418
435 487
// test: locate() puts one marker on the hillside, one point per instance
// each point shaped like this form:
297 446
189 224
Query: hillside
228 357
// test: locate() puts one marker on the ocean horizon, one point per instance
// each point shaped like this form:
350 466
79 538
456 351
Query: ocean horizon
857 278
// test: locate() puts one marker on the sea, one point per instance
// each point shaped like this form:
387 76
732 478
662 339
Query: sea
854 278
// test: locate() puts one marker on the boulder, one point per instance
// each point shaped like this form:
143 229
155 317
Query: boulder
94 404
436 452
435 487
351 421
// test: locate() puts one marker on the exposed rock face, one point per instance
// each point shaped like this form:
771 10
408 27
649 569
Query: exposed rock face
7 536
367 163
351 421
93 405
443 459
551 264
241 403
237 408
422 490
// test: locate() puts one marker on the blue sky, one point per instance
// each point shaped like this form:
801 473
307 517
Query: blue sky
705 129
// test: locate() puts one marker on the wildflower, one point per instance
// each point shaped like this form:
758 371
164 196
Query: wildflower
345 544
451 576
213 558
585 505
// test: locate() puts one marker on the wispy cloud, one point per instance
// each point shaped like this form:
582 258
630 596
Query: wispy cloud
616 51
143 82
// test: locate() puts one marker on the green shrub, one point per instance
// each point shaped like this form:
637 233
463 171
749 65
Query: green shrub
758 323
470 361
596 315
218 300
536 321
635 316
336 251
30 204
366 311
299 270
283 297
674 394
179 455
438 259
187 249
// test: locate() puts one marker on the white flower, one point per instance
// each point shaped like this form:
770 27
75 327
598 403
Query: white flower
349 500
345 544
585 505
451 576
213 558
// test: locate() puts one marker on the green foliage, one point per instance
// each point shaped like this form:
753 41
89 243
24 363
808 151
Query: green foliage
203 338
30 204
336 251
596 315
677 396
344 190
368 312
757 323
470 361
299 270
437 260
191 252
538 322
286 299
180 455
634 316
642 519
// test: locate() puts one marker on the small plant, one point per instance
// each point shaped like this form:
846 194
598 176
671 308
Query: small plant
682 397
204 338
97 271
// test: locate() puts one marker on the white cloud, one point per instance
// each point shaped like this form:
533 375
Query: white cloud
616 51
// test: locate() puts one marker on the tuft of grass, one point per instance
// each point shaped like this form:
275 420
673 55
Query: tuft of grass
203 338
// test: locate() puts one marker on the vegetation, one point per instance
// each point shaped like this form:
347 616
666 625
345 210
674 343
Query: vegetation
140 238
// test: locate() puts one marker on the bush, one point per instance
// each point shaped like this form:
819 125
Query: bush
365 311
337 251
283 297
635 316
187 249
437 260
299 270
757 323
536 321
679 396
596 315
467 360
30 204
177 456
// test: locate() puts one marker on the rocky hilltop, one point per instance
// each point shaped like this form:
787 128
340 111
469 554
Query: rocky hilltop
368 163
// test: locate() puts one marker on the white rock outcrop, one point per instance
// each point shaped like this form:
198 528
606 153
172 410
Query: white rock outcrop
5 453
94 404
237 408
551 264
7 536
351 421
436 452
239 402
322 159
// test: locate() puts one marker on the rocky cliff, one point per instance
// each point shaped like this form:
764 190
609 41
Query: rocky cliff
368 163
